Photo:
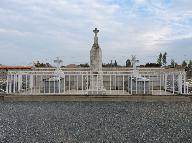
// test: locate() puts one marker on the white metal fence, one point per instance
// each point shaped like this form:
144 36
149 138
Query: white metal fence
3 81
79 83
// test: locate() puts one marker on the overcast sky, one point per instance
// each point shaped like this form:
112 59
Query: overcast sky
32 30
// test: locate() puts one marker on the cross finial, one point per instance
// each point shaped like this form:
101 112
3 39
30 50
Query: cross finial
58 62
96 31
96 38
134 61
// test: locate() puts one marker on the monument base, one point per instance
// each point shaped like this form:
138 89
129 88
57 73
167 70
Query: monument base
95 92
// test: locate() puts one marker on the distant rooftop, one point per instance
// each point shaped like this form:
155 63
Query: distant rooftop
16 67
72 66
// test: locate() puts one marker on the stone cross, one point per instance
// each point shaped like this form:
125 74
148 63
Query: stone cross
58 62
134 61
96 38
96 31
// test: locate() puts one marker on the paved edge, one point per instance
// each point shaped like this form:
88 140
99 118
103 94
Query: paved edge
81 98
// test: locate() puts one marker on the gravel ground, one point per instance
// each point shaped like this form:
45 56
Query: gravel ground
60 122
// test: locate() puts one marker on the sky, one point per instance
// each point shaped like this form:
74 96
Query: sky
41 30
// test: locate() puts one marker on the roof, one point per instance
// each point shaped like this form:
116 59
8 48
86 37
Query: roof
71 66
16 67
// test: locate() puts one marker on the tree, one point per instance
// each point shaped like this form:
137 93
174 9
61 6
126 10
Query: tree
42 65
115 64
128 63
152 65
84 65
172 63
164 59
106 65
184 64
159 60
111 63
190 64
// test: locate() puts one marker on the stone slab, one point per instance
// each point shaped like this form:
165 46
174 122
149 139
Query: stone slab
81 98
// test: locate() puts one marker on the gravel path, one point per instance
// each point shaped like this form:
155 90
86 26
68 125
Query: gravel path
60 122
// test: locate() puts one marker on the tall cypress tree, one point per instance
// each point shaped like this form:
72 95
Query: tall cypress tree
128 63
165 58
115 64
159 60
190 64
184 64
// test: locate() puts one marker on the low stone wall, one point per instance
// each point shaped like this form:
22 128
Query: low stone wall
81 98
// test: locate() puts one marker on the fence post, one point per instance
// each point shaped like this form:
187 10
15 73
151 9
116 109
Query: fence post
26 83
115 82
160 83
7 84
184 83
152 83
49 85
59 84
97 84
128 84
136 85
64 84
118 84
92 87
77 84
165 83
14 83
144 84
10 84
110 84
69 84
88 82
82 83
180 82
31 83
123 84
131 85
173 83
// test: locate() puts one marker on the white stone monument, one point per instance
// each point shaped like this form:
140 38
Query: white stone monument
134 61
96 82
58 70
